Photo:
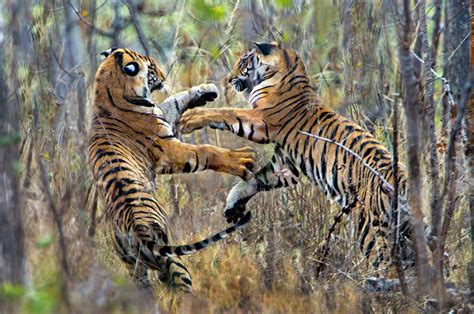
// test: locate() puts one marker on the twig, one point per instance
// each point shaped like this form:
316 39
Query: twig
412 113
446 86
91 26
136 23
346 210
93 224
459 46
395 210
451 157
57 215
70 72
386 186
436 210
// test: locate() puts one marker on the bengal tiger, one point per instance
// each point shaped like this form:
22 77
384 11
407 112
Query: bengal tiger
283 105
130 141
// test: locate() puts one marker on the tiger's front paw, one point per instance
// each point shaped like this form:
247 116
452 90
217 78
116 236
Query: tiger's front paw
192 120
241 162
203 94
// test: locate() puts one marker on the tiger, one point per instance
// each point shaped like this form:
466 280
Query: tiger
130 142
284 105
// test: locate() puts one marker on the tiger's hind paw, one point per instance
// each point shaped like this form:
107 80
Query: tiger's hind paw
235 212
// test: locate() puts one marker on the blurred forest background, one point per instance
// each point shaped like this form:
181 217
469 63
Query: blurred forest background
394 67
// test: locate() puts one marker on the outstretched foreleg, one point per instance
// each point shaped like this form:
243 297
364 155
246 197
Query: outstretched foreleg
246 123
197 96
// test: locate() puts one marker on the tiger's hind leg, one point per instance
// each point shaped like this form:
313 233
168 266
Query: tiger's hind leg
279 172
171 271
139 272
177 275
133 250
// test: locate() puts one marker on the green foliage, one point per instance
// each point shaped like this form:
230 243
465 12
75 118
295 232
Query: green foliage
17 168
284 3
12 291
37 301
10 139
40 301
44 242
208 12
120 281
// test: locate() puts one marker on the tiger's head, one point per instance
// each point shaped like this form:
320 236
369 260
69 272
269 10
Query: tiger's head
130 75
260 64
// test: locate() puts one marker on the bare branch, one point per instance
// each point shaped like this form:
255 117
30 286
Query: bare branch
413 117
395 205
387 186
451 157
91 26
132 8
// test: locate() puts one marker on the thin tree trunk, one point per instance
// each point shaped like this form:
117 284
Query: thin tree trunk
413 120
456 61
12 255
436 212
436 32
395 201
470 153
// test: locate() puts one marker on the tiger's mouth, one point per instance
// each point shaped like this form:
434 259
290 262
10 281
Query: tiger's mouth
239 84
155 84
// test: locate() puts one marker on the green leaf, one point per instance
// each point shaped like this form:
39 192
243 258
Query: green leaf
44 242
119 281
284 3
10 138
12 291
208 12
40 302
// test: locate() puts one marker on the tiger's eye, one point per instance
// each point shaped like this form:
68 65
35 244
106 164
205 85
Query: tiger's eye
131 69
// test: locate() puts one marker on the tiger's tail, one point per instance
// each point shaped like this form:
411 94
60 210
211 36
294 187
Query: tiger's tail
180 250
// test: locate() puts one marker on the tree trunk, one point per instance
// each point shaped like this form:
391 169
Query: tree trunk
413 120
470 153
12 267
435 204
456 60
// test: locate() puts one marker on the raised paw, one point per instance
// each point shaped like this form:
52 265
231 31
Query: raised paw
203 94
242 162
192 120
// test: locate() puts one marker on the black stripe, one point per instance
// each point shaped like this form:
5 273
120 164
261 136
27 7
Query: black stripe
241 128
139 101
196 167
187 167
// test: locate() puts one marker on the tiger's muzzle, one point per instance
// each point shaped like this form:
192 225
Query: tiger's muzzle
154 83
238 84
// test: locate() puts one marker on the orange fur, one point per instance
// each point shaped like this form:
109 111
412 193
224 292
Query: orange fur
283 102
130 142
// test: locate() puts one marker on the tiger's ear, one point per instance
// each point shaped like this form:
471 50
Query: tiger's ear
264 48
108 52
